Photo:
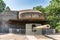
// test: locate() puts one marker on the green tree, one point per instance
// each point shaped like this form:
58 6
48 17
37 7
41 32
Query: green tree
53 12
39 8
7 8
2 5
58 26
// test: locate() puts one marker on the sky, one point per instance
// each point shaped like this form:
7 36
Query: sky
25 4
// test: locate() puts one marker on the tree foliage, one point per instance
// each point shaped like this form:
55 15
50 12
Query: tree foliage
39 8
7 8
2 5
53 10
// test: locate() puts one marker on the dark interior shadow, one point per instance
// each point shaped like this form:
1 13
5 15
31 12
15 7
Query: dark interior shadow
3 33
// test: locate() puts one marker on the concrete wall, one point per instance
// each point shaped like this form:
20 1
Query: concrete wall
29 30
34 15
5 16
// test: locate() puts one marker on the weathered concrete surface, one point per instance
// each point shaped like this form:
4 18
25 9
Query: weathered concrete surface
11 36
